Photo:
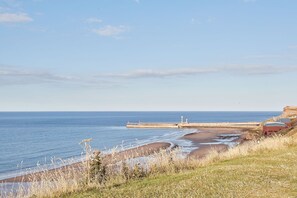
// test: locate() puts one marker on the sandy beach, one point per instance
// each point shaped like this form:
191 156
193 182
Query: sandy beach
203 136
140 151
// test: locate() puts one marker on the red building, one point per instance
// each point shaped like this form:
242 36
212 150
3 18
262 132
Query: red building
272 127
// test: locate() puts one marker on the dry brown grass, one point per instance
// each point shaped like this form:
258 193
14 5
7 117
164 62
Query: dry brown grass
57 180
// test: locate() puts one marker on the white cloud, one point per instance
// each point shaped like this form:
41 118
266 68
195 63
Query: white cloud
94 20
14 18
110 30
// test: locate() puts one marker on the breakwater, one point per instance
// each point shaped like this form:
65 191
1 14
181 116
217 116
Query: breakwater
194 125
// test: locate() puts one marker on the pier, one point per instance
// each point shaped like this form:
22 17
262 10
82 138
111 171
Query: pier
152 125
186 124
195 125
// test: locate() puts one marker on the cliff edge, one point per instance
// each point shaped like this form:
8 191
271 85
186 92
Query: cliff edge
290 111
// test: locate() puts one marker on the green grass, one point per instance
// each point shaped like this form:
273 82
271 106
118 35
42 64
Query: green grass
262 174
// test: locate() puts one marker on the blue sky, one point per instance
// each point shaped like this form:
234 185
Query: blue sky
100 55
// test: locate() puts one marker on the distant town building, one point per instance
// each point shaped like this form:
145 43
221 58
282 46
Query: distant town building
273 127
287 121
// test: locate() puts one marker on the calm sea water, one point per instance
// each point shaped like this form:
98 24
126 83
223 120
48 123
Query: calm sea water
30 138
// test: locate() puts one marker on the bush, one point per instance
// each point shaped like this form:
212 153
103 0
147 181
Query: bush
97 172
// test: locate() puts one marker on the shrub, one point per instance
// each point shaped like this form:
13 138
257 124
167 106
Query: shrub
97 172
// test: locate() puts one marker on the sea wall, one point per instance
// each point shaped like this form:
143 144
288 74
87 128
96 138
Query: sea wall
152 125
195 125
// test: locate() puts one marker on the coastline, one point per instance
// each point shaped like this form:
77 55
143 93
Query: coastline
139 151
106 123
208 139
204 139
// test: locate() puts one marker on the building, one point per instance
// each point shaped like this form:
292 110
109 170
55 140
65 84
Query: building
273 127
287 121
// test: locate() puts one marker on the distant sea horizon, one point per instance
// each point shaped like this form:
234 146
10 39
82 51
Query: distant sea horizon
69 111
29 138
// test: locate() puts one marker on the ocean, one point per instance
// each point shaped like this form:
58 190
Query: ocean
28 139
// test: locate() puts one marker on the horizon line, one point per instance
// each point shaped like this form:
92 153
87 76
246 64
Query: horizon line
74 111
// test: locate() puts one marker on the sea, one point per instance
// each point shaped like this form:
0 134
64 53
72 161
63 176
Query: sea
30 139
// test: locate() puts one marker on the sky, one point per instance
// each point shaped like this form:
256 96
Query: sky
148 55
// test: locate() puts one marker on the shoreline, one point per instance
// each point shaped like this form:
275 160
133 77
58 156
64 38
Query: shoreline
208 139
203 139
139 151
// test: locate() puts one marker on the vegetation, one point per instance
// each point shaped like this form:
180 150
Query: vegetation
262 168
261 174
265 168
97 173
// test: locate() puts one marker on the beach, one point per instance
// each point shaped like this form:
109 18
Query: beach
208 139
139 151
205 140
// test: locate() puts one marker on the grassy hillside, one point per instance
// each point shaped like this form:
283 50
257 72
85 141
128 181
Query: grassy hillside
265 167
260 173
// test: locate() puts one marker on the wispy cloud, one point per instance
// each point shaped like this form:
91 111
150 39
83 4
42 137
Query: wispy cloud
148 73
111 31
232 69
15 18
273 56
258 69
30 76
4 9
11 3
94 20
293 47
202 20
17 76
10 75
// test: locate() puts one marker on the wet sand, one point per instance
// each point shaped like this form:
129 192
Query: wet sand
203 151
140 151
208 135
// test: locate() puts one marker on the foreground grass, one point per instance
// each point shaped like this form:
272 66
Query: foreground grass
266 173
266 167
